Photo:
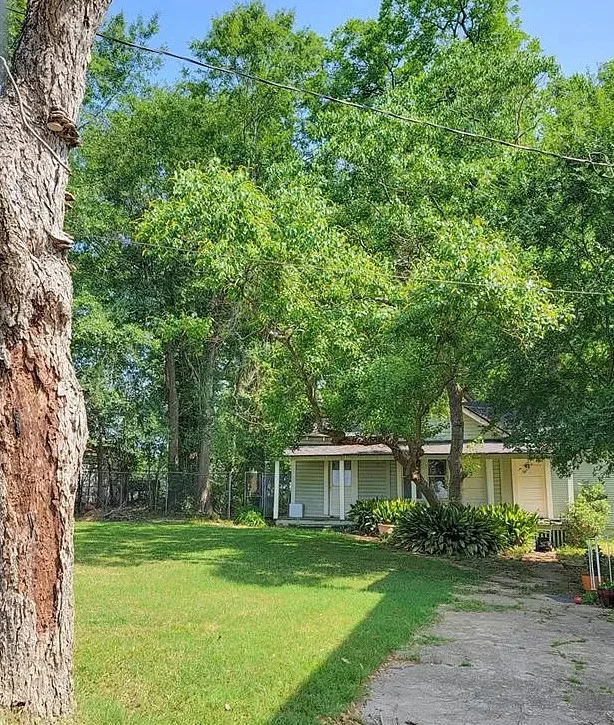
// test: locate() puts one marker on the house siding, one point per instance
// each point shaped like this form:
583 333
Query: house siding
309 487
374 480
474 487
473 430
507 493
496 474
559 494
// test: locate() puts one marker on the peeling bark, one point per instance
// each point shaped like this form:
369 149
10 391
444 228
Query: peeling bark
42 417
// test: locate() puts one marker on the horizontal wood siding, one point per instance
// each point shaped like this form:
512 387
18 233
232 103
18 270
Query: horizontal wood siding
309 487
374 480
474 487
559 494
473 430
496 474
507 492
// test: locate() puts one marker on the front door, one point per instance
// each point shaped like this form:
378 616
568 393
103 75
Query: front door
529 482
350 491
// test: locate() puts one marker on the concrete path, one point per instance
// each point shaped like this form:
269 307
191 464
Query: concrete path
513 651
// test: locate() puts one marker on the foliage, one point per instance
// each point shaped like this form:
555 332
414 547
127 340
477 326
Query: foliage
368 513
449 530
250 517
388 511
588 516
227 601
516 526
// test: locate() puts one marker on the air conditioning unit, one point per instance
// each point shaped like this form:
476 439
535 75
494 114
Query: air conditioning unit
295 511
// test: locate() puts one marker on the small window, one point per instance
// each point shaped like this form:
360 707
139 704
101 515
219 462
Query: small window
437 471
347 474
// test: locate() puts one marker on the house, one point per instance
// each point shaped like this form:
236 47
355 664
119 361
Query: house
497 474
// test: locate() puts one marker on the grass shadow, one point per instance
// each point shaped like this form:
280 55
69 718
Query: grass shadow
409 589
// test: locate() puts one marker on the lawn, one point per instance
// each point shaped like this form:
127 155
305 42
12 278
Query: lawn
196 624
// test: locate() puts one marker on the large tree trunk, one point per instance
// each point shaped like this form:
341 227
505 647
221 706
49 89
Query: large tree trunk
42 417
457 437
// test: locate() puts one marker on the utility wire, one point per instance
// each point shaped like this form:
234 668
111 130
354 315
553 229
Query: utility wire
350 104
358 106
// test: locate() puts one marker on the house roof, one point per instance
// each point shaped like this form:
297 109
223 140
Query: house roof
434 448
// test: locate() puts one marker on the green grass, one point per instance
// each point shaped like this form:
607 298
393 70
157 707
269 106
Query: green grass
198 624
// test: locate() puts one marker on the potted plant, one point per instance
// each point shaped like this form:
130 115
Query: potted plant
387 513
587 581
605 590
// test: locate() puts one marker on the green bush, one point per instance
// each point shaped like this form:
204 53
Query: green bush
589 515
516 526
367 513
250 517
446 531
388 511
362 515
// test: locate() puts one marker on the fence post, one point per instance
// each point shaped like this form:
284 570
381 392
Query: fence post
276 492
229 514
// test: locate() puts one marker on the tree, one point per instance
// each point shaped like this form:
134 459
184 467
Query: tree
42 418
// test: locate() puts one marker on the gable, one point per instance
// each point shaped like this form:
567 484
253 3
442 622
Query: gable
476 428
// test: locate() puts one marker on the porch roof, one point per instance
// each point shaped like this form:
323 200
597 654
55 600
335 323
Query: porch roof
441 448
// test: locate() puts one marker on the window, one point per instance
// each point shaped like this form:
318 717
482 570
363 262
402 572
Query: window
437 470
347 474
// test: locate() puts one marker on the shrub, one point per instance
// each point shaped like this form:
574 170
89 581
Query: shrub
389 511
250 517
446 531
368 513
588 516
516 526
362 515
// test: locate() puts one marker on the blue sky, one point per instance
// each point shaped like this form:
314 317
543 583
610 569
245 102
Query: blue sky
578 34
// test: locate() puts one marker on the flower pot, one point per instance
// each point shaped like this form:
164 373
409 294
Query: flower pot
385 529
586 582
606 597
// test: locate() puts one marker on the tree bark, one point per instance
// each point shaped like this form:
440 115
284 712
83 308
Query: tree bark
42 417
172 399
100 467
457 438
208 414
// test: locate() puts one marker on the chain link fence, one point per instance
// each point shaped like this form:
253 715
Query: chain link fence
176 493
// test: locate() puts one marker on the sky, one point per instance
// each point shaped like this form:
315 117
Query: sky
578 34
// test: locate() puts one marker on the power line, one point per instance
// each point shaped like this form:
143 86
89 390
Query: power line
350 104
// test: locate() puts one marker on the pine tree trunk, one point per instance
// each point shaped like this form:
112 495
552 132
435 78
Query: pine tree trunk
457 437
42 416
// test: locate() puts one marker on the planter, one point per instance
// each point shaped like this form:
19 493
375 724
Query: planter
385 529
586 582
606 596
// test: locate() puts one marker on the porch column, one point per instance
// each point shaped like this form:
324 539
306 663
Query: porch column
400 493
549 502
490 481
571 496
276 492
341 489
293 482
326 501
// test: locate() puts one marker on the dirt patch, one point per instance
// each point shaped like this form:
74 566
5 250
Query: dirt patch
512 650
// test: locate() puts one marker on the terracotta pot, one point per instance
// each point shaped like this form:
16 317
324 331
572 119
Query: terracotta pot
385 529
607 597
586 582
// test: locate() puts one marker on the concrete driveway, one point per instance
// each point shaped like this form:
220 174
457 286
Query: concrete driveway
511 651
